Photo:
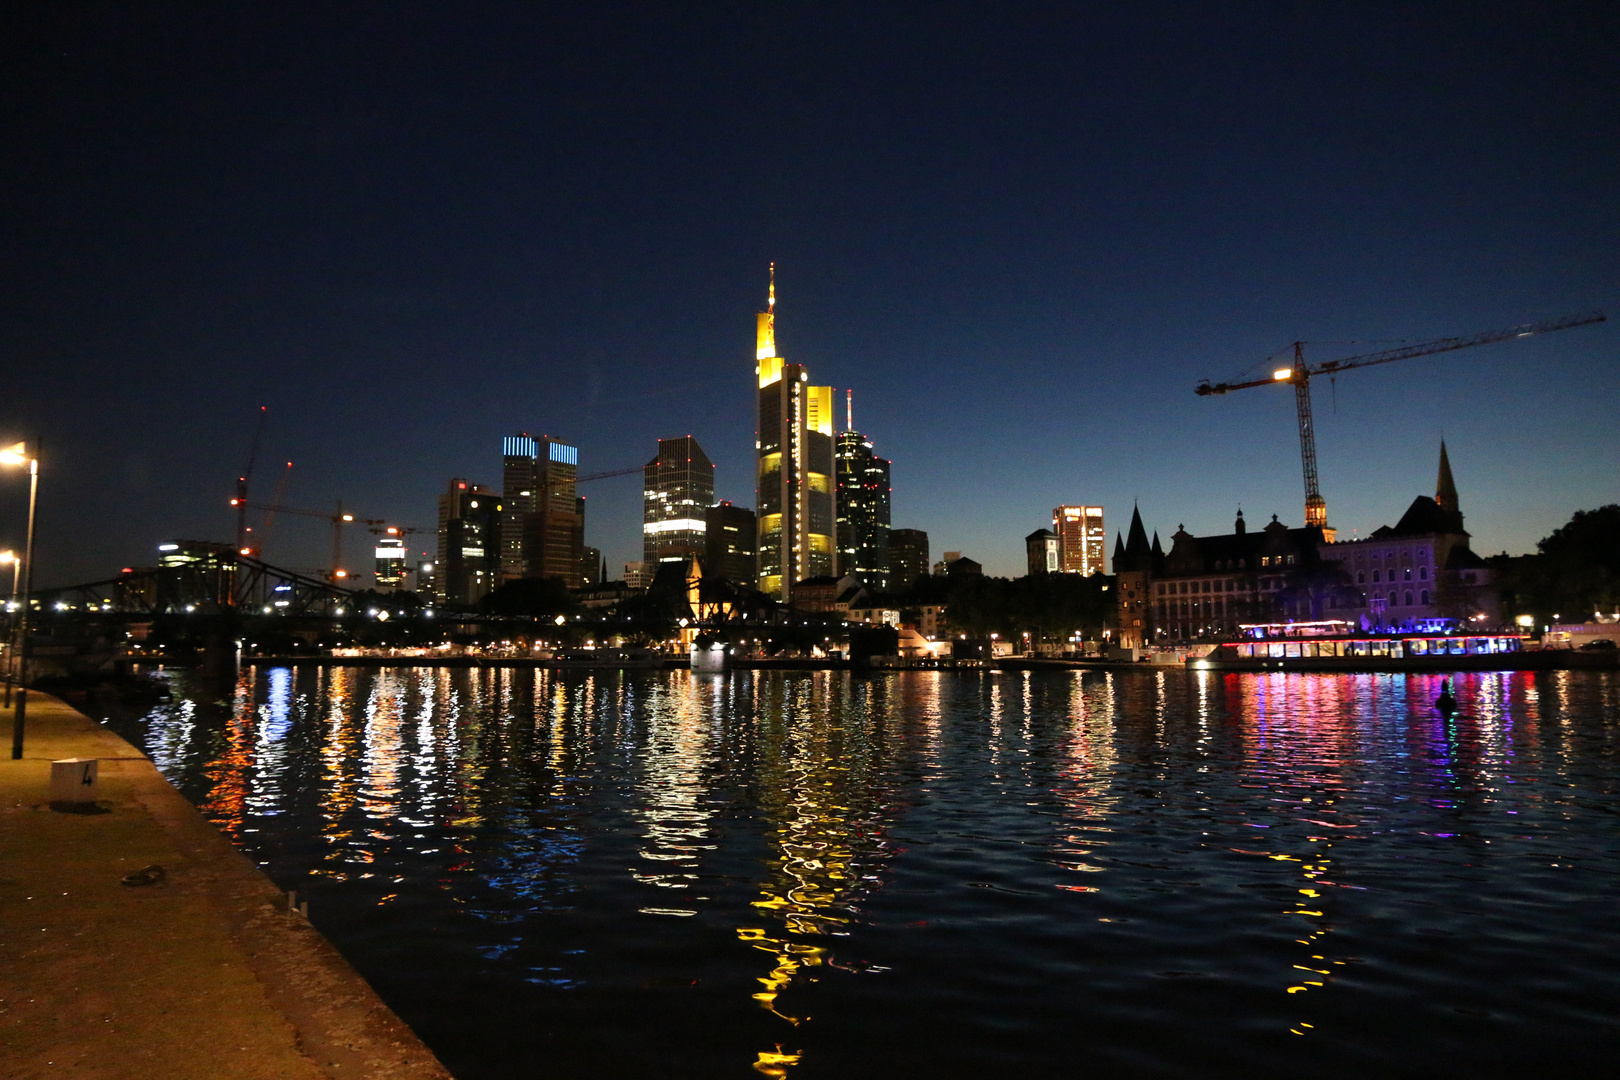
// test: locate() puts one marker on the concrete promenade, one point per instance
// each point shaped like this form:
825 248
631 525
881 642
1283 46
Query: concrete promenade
204 975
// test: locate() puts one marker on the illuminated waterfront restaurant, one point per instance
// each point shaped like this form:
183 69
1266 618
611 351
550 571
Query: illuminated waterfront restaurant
1335 638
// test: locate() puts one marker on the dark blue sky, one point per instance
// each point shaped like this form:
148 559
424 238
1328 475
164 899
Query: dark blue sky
1021 232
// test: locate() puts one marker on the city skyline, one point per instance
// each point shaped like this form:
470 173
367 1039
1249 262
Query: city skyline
1025 236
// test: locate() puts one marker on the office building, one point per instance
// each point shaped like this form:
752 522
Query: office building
677 490
1041 548
908 557
469 553
862 504
729 543
543 524
209 569
1081 540
591 568
794 442
391 569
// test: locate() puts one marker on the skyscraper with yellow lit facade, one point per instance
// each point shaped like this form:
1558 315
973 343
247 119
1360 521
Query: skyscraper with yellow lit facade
794 441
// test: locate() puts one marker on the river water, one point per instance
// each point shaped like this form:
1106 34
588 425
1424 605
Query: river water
819 874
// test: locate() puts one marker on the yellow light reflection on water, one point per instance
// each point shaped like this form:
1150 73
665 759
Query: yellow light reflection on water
824 773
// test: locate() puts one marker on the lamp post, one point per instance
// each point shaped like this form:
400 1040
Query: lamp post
18 455
11 618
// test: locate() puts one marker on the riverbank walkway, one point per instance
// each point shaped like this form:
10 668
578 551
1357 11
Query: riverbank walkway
202 975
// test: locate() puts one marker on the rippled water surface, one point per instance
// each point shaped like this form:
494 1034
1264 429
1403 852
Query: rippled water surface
571 874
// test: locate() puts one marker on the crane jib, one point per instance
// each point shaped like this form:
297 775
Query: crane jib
1299 375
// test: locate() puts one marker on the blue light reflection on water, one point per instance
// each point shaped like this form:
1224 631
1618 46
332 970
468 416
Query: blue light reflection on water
820 874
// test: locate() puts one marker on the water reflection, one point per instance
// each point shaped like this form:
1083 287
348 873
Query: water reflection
826 768
672 803
795 872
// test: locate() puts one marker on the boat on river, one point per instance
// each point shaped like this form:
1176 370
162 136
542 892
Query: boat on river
1331 645
612 659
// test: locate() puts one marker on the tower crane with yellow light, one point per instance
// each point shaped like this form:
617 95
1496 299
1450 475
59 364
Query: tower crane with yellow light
1299 373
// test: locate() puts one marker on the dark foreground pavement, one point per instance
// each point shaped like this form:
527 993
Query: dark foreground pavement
203 975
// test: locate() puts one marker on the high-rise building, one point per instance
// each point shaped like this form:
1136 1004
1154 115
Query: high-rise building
590 566
729 543
391 568
863 508
469 563
1081 540
543 525
1041 549
797 528
677 491
908 556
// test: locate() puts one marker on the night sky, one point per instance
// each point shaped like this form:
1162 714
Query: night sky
1021 232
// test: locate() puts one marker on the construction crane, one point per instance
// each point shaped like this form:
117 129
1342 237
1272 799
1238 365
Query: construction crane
609 473
339 519
1299 374
240 502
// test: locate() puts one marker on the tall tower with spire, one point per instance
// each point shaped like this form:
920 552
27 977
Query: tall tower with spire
796 471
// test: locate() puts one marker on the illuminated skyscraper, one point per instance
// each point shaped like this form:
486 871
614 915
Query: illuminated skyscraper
1080 539
863 508
391 569
543 525
468 566
795 446
676 494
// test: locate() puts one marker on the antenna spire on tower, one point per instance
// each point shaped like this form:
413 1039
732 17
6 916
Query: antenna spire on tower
773 289
849 410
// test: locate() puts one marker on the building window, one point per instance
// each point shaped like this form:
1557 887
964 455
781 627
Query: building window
1408 598
1375 575
1361 577
1425 597
1392 596
1408 573
1423 575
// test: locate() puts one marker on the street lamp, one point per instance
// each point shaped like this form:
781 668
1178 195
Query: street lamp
11 617
18 454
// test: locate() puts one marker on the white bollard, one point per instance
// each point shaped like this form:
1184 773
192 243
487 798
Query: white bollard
73 781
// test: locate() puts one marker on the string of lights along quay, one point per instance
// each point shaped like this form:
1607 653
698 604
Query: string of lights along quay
926 873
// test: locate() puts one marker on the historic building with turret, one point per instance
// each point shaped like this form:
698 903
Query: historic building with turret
1209 587
1421 572
1418 574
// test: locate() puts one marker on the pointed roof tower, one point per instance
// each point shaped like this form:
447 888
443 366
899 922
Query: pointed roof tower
1136 541
1445 489
1158 548
1138 554
1119 552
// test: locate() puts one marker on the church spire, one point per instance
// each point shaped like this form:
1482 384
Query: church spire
1445 489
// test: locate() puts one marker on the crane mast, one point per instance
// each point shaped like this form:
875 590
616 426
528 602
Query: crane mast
1315 505
1299 373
